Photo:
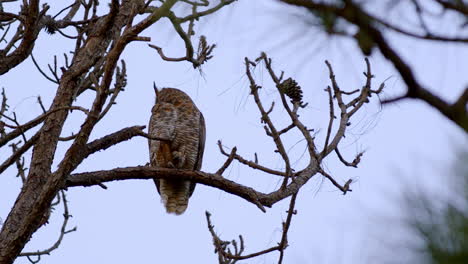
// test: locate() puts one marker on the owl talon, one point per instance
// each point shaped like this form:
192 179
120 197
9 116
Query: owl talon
178 158
171 165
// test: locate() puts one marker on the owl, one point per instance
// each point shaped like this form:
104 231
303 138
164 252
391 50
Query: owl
176 120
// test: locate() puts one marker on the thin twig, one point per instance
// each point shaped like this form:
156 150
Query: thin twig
344 188
228 161
36 121
17 153
266 119
251 164
63 232
354 163
331 119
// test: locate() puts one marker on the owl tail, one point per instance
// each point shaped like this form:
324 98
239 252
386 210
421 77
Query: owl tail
174 195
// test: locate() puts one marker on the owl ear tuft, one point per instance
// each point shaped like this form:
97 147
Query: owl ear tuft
156 90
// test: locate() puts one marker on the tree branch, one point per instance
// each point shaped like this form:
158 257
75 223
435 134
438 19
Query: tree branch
356 15
36 121
142 172
18 153
63 232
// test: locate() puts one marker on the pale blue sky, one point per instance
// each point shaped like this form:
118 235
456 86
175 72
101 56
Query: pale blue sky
407 145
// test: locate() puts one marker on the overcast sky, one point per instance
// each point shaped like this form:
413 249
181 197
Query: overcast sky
407 145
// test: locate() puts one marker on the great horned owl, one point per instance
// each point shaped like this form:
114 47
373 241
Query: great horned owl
176 119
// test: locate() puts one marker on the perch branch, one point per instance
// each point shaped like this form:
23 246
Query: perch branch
142 172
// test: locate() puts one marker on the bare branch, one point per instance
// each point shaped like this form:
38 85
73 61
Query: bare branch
63 232
112 139
461 103
355 14
228 161
458 6
19 163
142 172
296 97
29 34
164 57
344 117
120 83
99 43
39 101
286 129
56 80
332 118
273 133
224 253
18 152
204 50
197 15
194 3
354 163
37 194
344 188
286 225
20 129
253 165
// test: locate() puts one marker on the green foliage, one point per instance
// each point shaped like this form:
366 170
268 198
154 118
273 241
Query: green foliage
327 20
443 228
365 42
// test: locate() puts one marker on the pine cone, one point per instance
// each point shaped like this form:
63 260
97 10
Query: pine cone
290 88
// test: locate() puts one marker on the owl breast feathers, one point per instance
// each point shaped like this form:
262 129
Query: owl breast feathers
176 120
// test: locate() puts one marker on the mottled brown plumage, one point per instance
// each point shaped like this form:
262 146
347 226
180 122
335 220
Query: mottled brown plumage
176 118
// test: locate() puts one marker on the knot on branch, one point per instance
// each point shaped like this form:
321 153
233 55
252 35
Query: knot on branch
291 89
50 25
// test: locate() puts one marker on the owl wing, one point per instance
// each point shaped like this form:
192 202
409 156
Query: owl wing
162 125
200 150
201 143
